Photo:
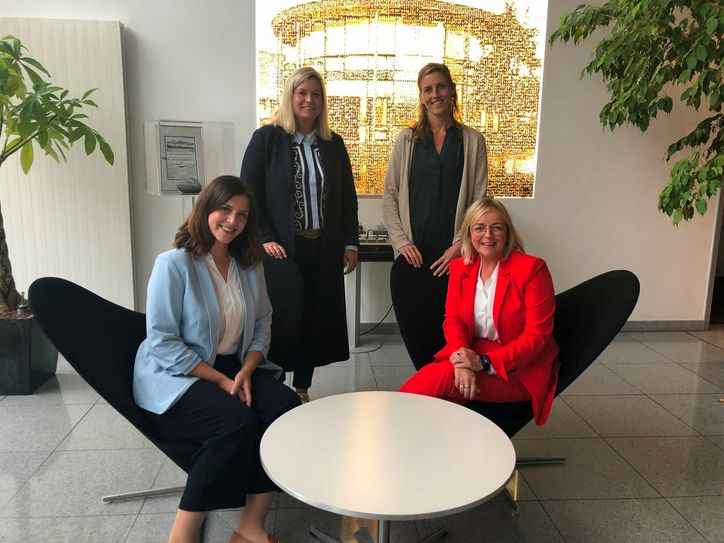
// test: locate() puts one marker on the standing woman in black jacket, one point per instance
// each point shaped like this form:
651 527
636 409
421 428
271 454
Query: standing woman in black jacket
302 177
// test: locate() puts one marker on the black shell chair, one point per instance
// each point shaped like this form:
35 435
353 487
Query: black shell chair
587 318
100 339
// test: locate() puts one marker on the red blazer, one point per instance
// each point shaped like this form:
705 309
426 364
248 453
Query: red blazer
523 315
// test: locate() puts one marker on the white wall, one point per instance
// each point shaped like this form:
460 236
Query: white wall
596 192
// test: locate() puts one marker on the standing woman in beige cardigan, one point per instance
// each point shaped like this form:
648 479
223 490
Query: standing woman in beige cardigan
438 167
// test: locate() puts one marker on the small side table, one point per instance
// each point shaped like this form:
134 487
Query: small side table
368 252
387 456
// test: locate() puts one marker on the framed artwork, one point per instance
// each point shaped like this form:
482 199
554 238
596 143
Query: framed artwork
370 53
182 158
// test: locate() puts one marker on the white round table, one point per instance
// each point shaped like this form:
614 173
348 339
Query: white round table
387 456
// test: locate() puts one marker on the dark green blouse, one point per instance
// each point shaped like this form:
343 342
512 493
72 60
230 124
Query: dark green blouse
434 188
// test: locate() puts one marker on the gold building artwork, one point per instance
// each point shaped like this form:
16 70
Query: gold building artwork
369 53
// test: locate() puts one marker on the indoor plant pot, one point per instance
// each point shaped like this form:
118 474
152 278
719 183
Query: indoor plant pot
27 357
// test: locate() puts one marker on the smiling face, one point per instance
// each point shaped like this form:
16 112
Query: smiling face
230 220
436 95
307 102
488 234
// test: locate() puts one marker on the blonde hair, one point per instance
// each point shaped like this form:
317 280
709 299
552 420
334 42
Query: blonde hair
513 242
421 129
284 115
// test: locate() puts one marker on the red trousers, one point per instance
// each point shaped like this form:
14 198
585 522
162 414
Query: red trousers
437 379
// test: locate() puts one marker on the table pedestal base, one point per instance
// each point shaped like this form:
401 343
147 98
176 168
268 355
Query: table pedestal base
383 531
321 536
383 534
434 536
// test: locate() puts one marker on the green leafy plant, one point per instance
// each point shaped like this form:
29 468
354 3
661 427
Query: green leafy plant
657 49
36 113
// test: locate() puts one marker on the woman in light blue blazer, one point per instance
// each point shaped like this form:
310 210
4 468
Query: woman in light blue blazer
202 374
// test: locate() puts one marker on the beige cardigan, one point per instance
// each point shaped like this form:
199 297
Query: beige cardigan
396 198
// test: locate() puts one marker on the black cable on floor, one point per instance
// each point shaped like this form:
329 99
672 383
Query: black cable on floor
378 324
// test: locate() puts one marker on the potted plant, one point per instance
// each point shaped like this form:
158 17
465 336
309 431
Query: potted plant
650 52
34 114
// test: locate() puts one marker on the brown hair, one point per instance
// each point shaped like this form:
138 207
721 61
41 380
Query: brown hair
195 236
478 208
421 129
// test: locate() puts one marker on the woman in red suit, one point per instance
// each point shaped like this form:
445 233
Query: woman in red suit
498 320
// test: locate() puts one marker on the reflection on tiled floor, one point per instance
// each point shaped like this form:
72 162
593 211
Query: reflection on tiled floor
642 431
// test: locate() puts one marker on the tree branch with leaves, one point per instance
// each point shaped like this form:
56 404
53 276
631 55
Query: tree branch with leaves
36 113
657 49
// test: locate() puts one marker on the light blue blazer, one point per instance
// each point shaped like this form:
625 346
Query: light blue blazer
183 327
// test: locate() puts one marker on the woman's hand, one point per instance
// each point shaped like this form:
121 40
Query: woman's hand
466 383
225 384
441 265
465 358
208 373
412 255
241 387
350 261
274 250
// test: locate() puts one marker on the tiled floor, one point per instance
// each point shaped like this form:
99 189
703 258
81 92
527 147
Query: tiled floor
642 431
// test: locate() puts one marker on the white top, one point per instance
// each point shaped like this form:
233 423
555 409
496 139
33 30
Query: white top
387 455
230 304
483 306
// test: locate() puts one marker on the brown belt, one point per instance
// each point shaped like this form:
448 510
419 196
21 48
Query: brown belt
308 234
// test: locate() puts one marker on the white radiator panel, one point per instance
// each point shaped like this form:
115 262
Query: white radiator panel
73 220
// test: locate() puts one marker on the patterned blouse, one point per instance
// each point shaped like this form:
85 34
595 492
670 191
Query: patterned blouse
309 199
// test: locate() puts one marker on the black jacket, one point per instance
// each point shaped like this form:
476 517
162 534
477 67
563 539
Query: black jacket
267 167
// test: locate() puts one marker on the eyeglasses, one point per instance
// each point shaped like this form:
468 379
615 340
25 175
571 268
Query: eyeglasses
495 229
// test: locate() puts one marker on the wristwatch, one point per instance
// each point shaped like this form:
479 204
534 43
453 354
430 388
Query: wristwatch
485 364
